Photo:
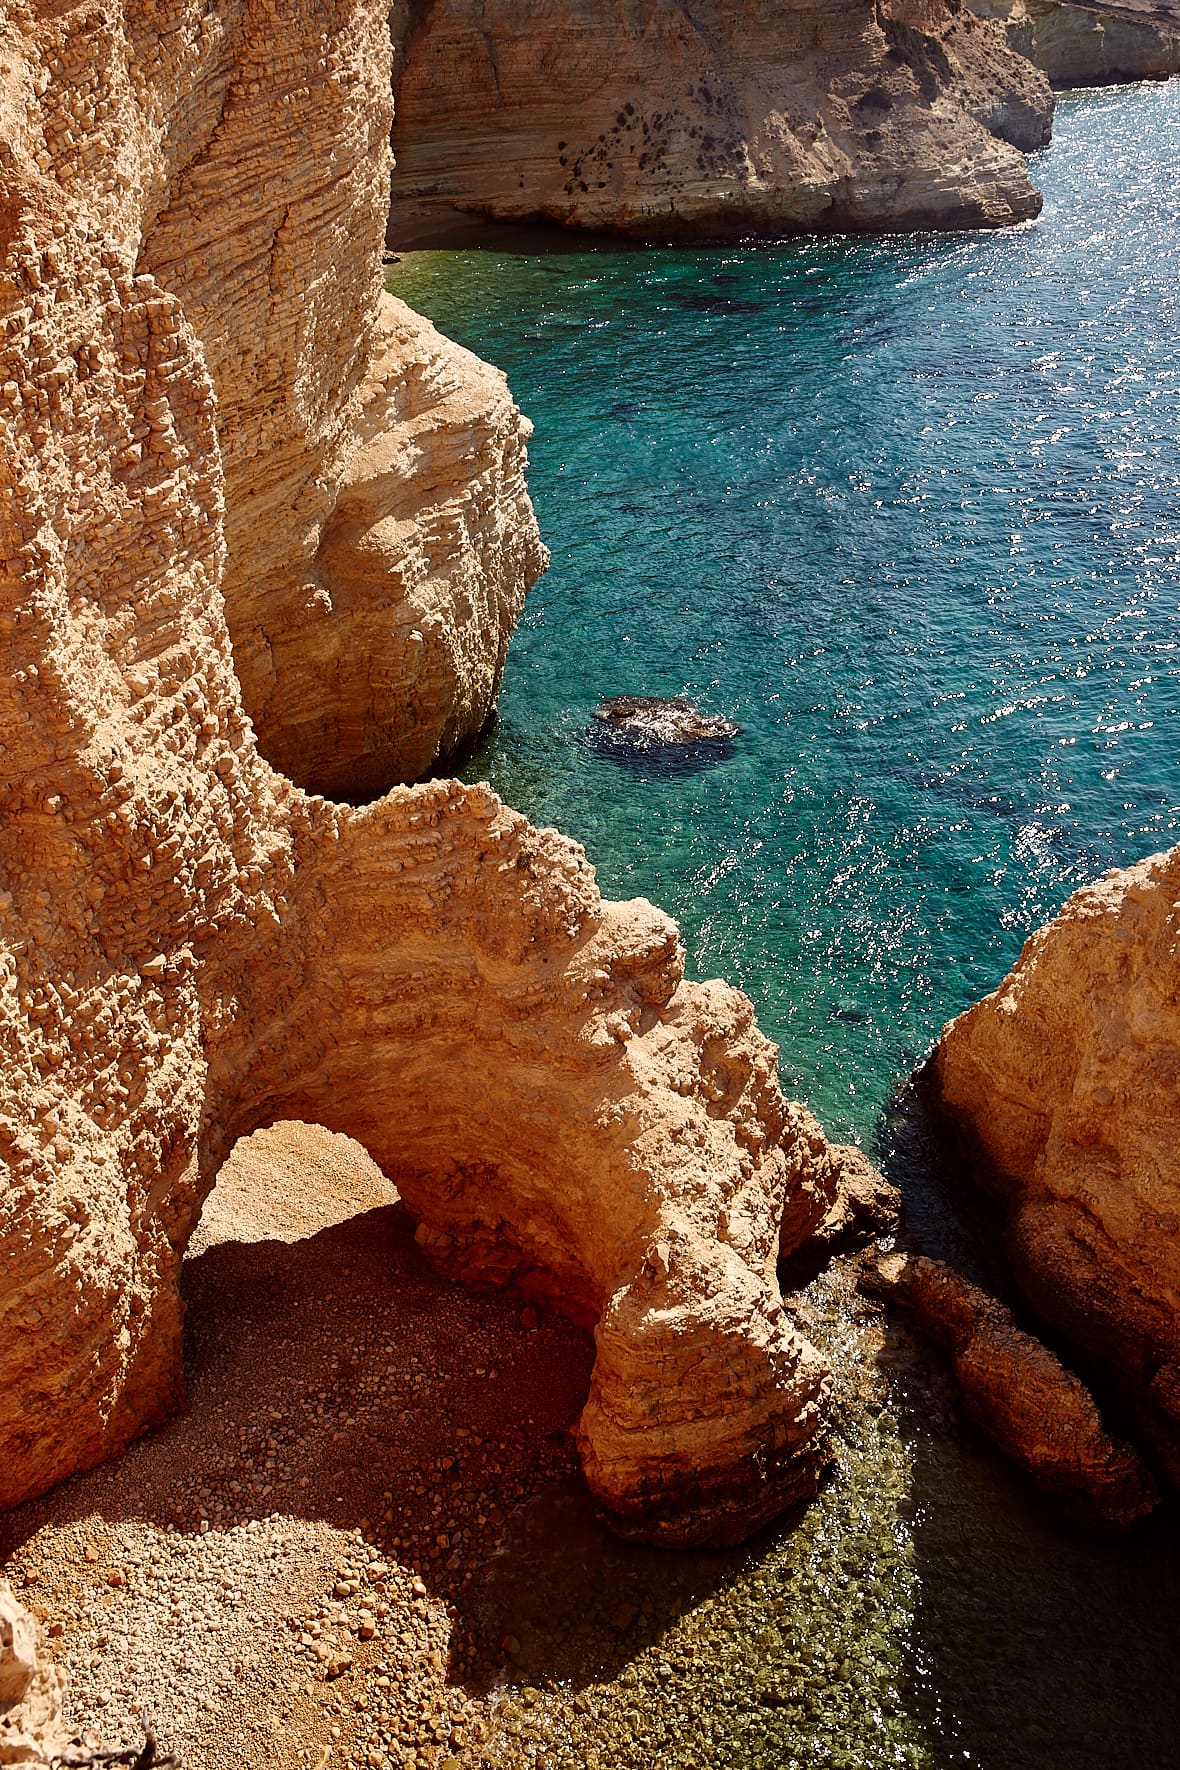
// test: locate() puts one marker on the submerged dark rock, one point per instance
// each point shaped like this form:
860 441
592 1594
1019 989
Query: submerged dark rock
669 736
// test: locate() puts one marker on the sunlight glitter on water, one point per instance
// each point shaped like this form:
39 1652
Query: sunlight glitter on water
906 510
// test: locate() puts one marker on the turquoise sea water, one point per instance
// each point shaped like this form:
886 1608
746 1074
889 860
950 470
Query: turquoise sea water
908 510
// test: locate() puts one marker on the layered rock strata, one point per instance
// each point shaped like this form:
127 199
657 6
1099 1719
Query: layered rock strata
666 120
1019 1393
1097 45
191 946
1064 1086
379 539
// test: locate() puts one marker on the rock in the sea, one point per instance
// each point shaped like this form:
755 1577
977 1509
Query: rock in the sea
674 733
191 375
1034 1410
1064 1088
670 120
31 1690
1090 44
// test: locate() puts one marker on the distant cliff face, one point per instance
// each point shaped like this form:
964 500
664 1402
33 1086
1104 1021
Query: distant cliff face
1090 44
664 119
1066 1087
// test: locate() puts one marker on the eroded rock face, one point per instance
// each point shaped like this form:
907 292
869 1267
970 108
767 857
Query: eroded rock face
31 1690
190 946
1037 1412
668 120
847 1204
1064 1085
1099 45
372 473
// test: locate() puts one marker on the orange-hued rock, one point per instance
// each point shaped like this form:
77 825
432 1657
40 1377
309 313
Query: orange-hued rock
31 1690
1037 1412
845 1202
1065 1088
1090 44
663 119
192 947
375 511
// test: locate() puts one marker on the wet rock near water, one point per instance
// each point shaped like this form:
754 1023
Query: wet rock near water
669 736
1037 1412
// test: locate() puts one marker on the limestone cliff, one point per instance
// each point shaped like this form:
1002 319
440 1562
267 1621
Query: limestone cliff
194 394
1090 44
189 142
1065 1084
664 119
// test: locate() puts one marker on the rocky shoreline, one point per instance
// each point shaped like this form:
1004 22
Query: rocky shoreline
715 121
1090 45
265 538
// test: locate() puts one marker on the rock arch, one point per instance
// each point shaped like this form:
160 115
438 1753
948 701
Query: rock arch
191 946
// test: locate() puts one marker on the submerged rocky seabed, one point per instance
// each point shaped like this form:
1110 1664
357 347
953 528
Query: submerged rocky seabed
796 1652
905 510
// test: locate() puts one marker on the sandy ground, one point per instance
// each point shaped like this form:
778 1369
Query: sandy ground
294 1570
365 1542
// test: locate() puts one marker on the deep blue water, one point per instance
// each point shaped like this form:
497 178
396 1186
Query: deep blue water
908 510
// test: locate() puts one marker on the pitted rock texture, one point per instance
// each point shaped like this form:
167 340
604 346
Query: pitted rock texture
1037 1412
1090 45
1063 1086
667 120
31 1690
191 947
357 447
847 1203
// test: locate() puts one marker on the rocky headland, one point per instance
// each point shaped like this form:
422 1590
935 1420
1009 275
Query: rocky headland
671 121
1090 45
1062 1088
243 493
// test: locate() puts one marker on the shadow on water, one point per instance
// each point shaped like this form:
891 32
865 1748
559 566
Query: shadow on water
1034 1648
657 762
1035 1645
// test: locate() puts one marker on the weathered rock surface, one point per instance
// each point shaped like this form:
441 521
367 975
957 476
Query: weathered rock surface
375 505
1064 1086
190 946
31 1690
1095 45
848 1203
1037 1412
668 120
426 560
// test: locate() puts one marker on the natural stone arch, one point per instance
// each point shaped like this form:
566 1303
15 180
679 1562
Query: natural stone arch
191 947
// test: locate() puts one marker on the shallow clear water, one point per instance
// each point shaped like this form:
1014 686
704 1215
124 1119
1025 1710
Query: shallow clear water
908 510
